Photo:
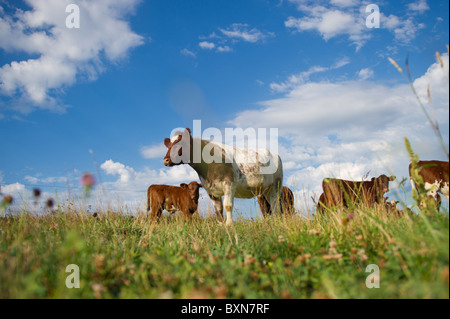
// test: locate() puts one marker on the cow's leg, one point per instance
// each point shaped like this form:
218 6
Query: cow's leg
228 199
218 206
156 211
444 189
274 197
263 205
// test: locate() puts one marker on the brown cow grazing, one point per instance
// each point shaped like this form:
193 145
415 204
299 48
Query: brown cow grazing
342 193
182 198
287 202
435 178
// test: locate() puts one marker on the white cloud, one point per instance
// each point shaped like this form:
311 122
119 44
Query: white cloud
207 45
130 179
296 79
225 48
419 6
188 53
404 30
365 74
242 31
154 151
348 18
332 22
60 56
345 3
15 189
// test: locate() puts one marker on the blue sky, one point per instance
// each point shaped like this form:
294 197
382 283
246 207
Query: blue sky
135 70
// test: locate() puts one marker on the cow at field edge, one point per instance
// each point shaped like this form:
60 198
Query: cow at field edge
287 202
435 178
320 205
226 172
182 198
343 193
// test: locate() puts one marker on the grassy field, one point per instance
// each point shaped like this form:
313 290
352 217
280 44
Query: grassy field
279 257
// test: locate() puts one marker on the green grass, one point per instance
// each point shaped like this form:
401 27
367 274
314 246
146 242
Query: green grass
325 257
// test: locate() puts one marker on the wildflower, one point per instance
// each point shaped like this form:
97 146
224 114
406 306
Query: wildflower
50 203
249 259
36 193
333 244
280 239
300 258
7 200
359 237
87 181
350 216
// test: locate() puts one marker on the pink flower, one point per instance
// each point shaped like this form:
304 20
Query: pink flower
87 181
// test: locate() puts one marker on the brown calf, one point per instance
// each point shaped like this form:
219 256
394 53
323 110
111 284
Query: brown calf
287 202
435 178
342 193
172 198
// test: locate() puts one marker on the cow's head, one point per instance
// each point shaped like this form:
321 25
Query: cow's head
382 183
194 190
175 146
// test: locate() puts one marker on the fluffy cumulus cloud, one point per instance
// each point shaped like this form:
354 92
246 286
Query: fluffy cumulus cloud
348 18
357 129
130 179
60 56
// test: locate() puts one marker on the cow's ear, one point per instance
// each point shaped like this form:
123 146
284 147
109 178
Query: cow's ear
188 130
167 142
200 186
183 185
392 178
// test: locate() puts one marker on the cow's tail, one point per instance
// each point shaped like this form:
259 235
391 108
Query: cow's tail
148 199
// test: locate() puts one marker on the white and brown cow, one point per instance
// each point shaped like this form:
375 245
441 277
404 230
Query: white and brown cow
435 178
227 171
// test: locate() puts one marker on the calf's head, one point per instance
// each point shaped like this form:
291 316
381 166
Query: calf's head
178 148
194 190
